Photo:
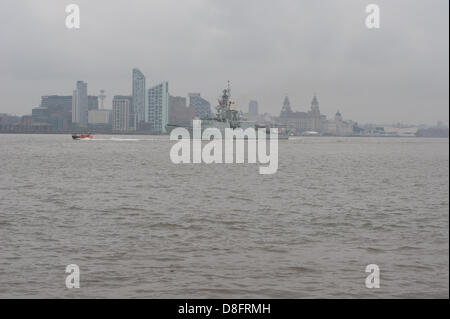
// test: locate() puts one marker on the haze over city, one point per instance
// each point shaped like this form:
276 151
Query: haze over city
267 49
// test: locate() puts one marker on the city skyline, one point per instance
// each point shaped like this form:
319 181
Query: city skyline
398 73
298 107
93 104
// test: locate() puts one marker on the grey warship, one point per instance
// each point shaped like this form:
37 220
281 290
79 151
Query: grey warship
226 117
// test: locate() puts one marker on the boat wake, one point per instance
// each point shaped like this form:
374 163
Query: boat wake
125 139
112 139
119 139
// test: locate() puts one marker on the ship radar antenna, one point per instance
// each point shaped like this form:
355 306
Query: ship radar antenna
102 97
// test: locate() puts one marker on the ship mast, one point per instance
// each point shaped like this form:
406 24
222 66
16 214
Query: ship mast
224 108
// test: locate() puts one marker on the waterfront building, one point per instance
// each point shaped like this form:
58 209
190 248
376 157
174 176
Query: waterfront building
138 94
80 104
157 111
316 121
92 102
202 108
27 120
57 102
339 127
39 115
59 111
8 119
122 113
179 113
99 116
253 108
100 119
299 122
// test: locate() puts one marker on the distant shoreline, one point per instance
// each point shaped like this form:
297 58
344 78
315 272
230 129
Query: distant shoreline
152 134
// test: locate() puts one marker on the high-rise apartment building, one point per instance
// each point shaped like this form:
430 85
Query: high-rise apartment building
80 104
138 94
122 113
157 110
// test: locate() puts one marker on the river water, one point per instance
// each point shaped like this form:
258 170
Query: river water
139 226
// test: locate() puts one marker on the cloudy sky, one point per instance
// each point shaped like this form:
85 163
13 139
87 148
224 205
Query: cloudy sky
266 48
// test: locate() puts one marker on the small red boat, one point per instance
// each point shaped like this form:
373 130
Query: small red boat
81 136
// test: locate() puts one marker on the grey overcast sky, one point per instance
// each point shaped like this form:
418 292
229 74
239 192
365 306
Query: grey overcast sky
266 48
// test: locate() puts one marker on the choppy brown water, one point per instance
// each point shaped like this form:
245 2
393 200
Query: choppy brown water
140 226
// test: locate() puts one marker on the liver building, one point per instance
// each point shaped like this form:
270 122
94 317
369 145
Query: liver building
299 122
